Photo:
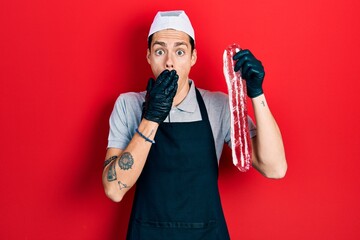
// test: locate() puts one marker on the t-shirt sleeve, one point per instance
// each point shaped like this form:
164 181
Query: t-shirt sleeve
252 127
119 134
251 124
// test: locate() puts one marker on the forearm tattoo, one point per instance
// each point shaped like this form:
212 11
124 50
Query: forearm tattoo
108 161
111 176
122 185
126 161
263 103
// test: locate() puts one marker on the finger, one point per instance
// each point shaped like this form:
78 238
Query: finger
172 93
241 61
163 75
160 81
241 53
238 65
258 72
170 78
252 70
175 77
172 88
150 84
173 73
245 70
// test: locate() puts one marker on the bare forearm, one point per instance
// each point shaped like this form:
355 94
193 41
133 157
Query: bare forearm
268 146
123 168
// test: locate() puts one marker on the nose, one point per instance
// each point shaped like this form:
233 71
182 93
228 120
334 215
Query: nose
169 64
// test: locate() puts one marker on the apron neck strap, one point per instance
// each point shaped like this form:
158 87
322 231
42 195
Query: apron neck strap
204 115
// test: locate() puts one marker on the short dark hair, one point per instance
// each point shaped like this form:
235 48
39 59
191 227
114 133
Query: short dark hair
192 42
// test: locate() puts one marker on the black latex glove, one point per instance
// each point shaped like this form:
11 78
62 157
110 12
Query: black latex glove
251 70
159 96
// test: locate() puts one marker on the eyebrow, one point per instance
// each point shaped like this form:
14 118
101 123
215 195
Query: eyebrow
159 43
181 43
163 44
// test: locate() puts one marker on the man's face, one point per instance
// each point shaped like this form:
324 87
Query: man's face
171 49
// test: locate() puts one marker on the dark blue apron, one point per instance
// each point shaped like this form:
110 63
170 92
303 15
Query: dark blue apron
177 196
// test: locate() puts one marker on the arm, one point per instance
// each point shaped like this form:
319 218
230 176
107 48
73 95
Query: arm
268 151
122 168
267 146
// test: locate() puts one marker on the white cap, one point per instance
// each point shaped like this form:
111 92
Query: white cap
177 20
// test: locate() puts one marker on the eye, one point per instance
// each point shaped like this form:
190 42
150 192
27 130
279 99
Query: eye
159 52
180 52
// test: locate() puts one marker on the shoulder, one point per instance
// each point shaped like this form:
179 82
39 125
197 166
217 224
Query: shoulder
217 105
215 99
130 99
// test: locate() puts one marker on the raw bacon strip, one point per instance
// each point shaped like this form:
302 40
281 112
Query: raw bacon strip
240 137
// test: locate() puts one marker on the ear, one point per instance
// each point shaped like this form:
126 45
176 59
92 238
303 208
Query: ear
193 57
148 55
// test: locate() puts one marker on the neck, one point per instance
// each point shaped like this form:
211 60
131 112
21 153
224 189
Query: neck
181 93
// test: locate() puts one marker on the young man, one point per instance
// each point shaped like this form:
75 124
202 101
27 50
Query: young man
168 140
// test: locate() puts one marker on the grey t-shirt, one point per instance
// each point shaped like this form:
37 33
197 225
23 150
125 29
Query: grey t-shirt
126 116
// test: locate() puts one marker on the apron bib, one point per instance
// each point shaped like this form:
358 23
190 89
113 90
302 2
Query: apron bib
177 196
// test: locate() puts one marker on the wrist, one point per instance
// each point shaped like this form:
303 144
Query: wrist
253 93
148 128
259 102
147 139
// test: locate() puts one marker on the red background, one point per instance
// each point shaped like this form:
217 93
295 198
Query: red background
63 64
